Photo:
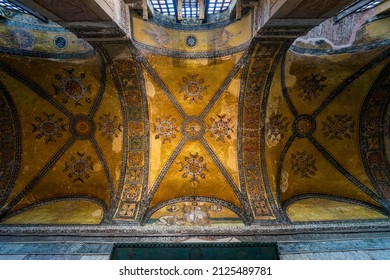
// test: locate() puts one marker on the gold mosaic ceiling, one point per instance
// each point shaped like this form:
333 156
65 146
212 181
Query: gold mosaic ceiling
139 134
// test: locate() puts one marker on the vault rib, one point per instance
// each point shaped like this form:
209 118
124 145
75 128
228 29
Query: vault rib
161 176
345 172
41 174
340 88
163 86
35 87
225 84
228 178
106 170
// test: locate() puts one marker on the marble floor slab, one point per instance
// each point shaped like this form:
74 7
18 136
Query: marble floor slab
11 257
52 257
95 257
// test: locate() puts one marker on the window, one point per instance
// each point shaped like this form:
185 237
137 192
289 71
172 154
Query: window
166 7
190 8
370 5
357 7
217 6
11 6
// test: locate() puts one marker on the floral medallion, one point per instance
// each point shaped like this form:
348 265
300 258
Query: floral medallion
165 128
82 127
303 164
304 126
79 167
132 192
22 38
220 128
338 127
60 42
109 127
193 88
191 41
73 88
48 127
310 87
128 210
276 126
193 168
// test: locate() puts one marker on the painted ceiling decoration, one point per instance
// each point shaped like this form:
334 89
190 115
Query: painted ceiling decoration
211 42
206 128
10 143
25 34
375 132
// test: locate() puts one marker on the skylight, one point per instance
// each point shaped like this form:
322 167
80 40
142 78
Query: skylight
190 8
370 5
166 7
357 7
11 6
218 6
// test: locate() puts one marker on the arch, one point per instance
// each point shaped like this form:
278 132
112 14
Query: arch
10 144
320 208
199 199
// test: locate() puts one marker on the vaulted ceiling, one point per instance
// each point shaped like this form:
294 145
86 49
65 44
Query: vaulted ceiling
218 125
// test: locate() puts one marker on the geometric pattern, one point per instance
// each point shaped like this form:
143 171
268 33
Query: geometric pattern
195 167
306 165
220 128
73 88
51 126
48 127
263 57
193 88
10 144
130 201
374 132
129 84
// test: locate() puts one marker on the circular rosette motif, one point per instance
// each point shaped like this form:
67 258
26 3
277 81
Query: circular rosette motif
73 88
193 88
304 126
82 127
48 127
193 128
165 128
79 167
194 167
220 128
191 41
